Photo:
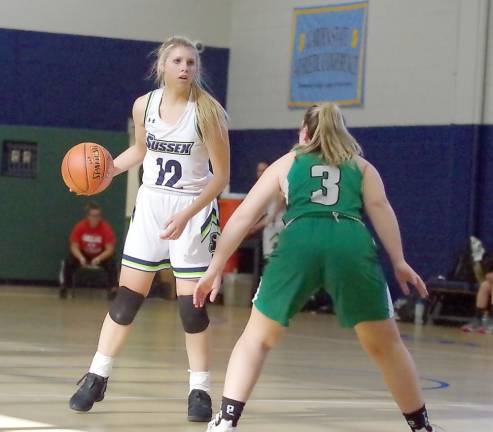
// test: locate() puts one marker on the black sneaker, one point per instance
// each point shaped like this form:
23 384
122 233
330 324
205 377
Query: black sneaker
199 406
92 390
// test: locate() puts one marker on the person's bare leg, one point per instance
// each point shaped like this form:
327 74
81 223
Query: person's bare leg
383 344
245 365
483 295
248 356
479 321
197 344
196 326
113 335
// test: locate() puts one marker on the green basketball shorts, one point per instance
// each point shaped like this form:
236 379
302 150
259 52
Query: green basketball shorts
339 256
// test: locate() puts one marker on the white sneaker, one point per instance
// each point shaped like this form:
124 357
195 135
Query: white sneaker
472 326
221 425
487 325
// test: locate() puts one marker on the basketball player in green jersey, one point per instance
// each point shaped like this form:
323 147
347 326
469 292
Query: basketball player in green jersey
327 184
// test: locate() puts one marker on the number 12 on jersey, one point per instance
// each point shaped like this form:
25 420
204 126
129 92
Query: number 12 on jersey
330 176
171 166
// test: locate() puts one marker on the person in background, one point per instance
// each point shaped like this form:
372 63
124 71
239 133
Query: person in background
92 243
261 167
270 224
483 269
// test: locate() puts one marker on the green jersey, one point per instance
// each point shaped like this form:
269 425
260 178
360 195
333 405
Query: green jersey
315 188
336 252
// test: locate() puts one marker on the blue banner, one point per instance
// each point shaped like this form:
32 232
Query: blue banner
328 55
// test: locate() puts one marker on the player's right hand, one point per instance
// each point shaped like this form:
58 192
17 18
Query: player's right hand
210 282
83 261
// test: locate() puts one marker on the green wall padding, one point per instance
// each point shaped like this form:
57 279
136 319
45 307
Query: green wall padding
37 215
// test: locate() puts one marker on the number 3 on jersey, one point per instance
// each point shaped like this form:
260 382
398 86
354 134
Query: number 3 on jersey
171 166
328 194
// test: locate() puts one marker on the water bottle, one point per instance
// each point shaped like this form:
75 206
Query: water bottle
419 310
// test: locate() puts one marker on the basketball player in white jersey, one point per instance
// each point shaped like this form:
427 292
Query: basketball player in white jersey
178 128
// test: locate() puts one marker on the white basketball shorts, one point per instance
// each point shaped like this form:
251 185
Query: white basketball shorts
189 255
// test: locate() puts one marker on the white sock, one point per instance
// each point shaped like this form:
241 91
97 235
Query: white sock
101 365
200 381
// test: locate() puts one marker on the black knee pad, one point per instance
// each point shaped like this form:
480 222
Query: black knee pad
125 305
195 320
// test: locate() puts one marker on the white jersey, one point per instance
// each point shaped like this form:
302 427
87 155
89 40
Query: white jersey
271 231
176 159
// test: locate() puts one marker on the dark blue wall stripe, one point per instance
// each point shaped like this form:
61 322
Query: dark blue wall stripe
82 82
427 172
485 187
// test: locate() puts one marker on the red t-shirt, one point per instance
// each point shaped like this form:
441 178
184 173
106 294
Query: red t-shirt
92 241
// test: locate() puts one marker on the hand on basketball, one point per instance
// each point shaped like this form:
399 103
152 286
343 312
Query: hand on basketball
89 164
174 226
406 275
209 283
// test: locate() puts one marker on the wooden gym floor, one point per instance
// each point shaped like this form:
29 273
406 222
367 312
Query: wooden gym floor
317 380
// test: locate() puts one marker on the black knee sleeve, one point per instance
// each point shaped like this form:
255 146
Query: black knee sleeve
125 305
195 320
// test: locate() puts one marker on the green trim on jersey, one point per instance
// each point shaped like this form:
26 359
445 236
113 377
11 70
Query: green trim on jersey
316 188
211 220
192 273
146 268
149 98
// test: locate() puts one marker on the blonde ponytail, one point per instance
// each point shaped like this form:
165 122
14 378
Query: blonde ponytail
328 135
211 116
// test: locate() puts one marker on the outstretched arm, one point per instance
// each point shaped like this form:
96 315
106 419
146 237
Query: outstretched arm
245 216
383 218
270 217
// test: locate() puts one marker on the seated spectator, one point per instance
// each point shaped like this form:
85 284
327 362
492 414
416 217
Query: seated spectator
92 243
483 318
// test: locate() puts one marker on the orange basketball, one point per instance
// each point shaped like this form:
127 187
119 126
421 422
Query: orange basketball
87 168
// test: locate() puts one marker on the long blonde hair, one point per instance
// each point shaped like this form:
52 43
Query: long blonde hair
328 135
211 116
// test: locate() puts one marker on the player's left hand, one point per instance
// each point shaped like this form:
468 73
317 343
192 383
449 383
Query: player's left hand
210 282
96 261
405 275
174 226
